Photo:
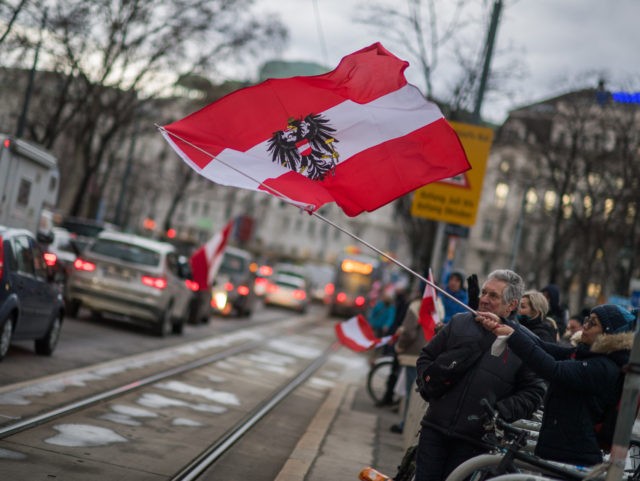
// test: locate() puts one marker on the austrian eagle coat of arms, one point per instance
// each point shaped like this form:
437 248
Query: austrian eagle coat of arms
306 146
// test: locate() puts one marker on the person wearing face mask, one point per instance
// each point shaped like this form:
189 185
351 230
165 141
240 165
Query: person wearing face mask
532 314
584 381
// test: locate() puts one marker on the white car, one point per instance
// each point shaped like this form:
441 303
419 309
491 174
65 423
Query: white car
132 278
286 290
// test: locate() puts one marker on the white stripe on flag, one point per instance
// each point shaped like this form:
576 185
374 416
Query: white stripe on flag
362 126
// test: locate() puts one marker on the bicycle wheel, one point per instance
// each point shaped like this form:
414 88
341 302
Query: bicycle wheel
633 461
477 468
377 379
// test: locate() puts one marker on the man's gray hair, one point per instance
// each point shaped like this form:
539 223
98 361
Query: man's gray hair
515 284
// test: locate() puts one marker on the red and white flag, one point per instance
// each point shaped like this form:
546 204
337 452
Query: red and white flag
205 262
360 136
428 317
357 334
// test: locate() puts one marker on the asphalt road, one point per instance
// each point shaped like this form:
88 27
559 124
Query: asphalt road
85 341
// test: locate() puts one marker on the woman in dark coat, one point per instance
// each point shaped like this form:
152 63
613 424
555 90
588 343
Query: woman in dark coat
583 380
532 314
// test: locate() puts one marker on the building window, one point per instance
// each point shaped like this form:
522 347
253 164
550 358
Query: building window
24 192
487 230
550 198
532 200
502 192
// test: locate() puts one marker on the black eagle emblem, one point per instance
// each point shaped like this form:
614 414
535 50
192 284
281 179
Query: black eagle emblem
306 146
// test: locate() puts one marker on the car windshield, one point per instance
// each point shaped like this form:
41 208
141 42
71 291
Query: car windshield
232 264
126 252
286 280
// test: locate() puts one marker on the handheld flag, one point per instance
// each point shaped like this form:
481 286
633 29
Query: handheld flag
360 136
357 334
206 261
428 317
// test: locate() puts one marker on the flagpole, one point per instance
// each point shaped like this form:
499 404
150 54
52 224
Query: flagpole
395 261
310 210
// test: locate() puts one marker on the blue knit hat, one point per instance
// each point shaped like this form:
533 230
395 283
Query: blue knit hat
614 318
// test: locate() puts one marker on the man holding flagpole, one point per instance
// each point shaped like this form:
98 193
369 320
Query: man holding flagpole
453 422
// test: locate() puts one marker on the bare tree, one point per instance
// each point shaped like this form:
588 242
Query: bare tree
583 158
109 58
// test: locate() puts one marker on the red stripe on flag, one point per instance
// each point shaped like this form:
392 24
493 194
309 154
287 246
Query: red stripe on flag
249 116
376 176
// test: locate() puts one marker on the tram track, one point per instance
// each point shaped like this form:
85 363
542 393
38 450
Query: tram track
34 439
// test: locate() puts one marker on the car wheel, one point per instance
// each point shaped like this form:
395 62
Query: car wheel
178 327
164 325
46 345
73 308
6 331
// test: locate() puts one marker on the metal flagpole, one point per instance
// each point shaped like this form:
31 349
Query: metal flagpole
309 210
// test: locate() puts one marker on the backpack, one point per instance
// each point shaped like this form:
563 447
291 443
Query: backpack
449 367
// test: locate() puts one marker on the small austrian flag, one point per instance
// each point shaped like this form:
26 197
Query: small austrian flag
357 334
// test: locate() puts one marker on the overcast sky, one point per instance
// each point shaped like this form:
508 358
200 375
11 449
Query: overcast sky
557 41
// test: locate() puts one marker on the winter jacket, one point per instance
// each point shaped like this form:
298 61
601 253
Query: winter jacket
582 382
540 327
382 316
512 388
451 307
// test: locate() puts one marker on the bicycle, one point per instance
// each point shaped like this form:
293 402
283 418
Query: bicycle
377 378
511 461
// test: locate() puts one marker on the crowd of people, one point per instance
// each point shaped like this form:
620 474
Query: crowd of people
531 355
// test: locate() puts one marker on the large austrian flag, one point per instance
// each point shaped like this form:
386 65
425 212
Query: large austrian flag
360 136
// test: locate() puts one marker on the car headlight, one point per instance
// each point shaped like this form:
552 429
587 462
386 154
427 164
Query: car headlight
219 300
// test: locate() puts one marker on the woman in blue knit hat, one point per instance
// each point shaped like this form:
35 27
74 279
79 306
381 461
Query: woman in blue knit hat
584 381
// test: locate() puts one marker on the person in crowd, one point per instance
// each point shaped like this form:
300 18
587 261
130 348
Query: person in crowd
583 380
401 304
410 341
382 315
455 287
453 423
532 315
557 311
574 329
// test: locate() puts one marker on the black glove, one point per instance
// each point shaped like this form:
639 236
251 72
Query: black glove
473 290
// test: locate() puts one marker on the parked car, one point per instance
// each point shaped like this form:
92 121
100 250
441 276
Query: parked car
31 304
233 288
61 250
132 278
287 290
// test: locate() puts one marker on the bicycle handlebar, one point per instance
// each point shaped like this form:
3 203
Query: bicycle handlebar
497 421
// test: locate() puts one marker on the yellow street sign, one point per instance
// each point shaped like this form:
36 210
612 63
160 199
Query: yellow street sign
455 200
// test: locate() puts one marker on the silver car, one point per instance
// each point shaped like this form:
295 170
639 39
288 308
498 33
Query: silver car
131 278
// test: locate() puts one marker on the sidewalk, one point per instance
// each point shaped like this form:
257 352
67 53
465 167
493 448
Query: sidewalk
348 433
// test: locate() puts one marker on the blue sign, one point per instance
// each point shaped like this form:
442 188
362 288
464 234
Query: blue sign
626 97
